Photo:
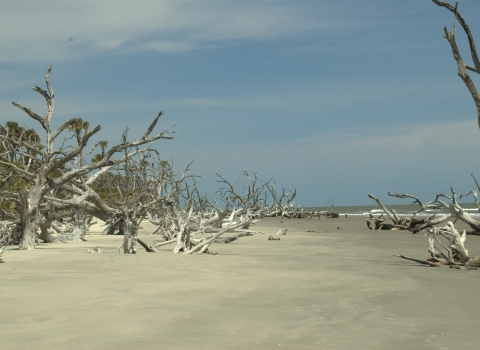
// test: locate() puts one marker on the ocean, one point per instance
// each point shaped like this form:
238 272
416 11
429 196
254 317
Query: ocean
405 209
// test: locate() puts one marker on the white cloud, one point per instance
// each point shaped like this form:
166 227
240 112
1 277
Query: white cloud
64 30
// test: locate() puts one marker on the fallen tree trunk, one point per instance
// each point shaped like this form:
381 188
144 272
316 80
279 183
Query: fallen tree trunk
413 224
202 246
233 238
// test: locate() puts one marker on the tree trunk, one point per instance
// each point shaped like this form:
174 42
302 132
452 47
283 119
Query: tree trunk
45 235
29 220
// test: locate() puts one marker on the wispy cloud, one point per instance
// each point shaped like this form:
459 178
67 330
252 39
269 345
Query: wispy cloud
59 30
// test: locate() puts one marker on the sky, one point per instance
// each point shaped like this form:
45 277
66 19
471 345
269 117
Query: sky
336 98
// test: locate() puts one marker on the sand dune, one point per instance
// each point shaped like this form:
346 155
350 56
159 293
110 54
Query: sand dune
337 288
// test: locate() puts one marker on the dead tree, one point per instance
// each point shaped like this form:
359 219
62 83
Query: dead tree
191 221
462 67
449 253
249 198
138 194
281 203
454 210
50 164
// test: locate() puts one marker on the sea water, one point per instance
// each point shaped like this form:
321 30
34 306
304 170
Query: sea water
365 210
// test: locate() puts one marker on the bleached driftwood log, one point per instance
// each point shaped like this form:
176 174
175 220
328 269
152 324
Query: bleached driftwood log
413 224
454 253
233 238
148 248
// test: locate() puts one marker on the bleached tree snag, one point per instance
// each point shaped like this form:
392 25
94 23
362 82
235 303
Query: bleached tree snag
183 235
51 170
380 223
462 67
455 209
454 253
385 210
29 217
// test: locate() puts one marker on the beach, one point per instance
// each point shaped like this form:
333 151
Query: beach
326 284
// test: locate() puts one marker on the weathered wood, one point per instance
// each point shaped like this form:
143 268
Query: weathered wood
203 246
148 248
233 238
454 253
50 161
282 232
462 67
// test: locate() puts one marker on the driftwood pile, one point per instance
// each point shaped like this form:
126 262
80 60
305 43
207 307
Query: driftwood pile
51 191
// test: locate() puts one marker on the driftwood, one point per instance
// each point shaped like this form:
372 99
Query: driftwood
148 248
203 244
412 224
233 238
451 253
159 244
452 206
282 232
54 189
94 250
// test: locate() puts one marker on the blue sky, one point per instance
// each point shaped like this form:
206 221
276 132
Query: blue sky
337 98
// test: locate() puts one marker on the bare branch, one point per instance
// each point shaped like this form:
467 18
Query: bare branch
466 28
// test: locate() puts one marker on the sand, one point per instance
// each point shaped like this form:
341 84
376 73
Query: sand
337 288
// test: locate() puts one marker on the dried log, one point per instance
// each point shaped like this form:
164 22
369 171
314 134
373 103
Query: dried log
454 253
148 248
156 245
233 238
